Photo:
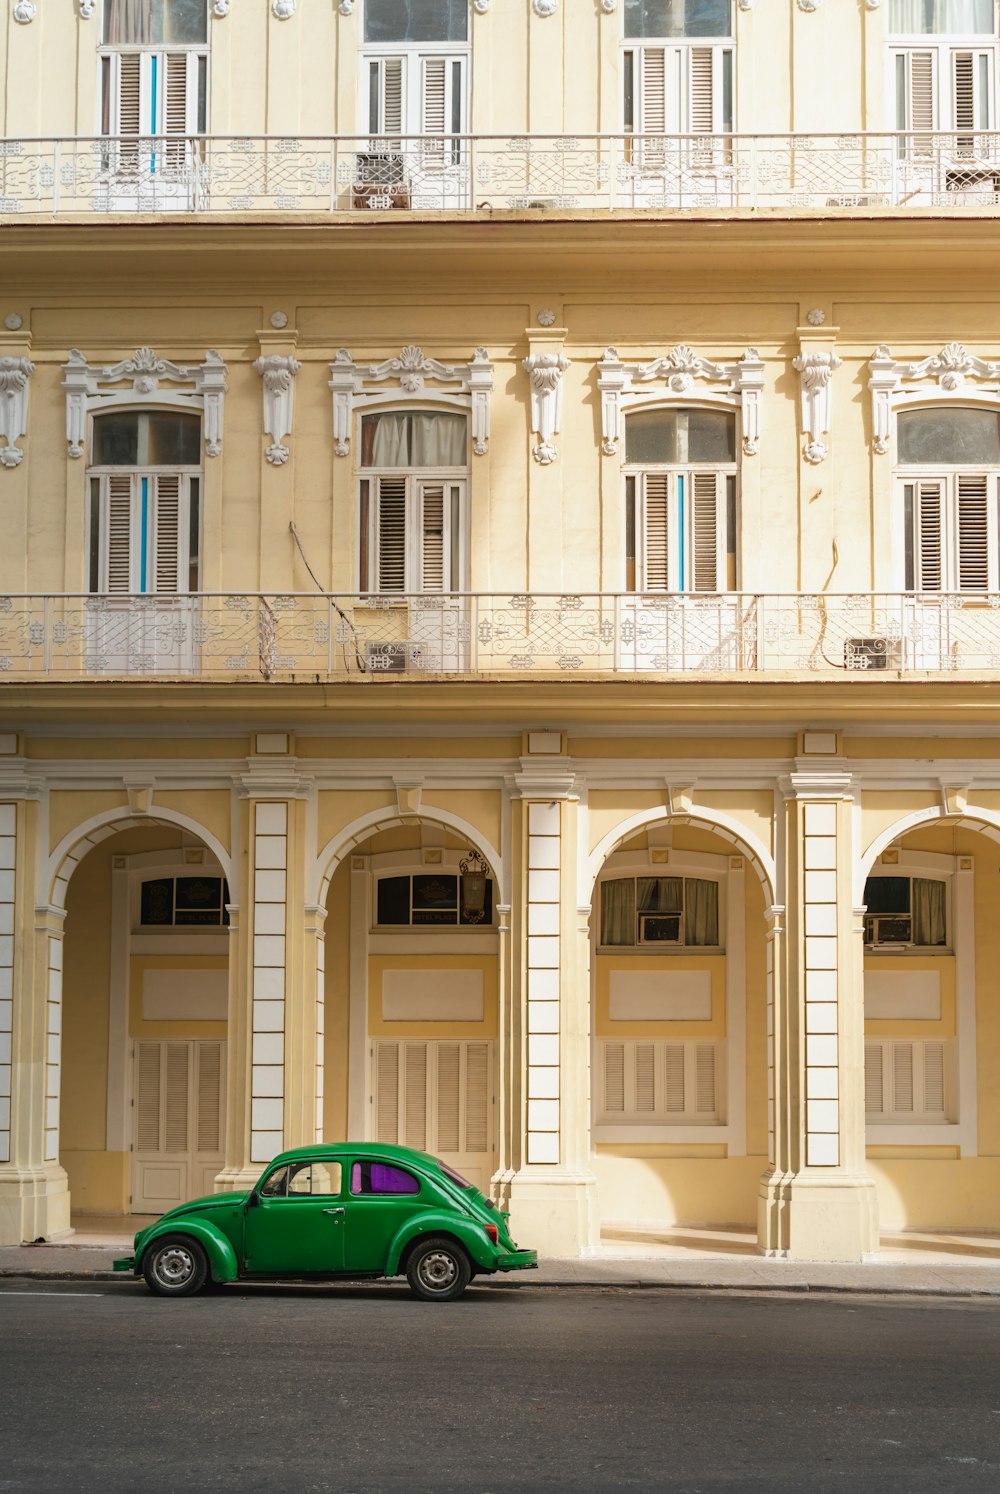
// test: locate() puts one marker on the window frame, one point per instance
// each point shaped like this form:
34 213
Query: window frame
423 930
413 56
911 875
908 475
680 871
943 49
108 80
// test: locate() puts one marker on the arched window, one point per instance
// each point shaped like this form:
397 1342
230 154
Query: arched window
680 500
948 471
154 69
413 489
145 491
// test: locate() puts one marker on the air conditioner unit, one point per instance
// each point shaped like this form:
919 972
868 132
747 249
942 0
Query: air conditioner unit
395 658
871 653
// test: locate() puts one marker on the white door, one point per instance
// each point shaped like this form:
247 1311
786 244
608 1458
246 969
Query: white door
417 120
178 1131
437 1096
153 107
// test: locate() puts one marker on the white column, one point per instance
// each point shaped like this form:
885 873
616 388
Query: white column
543 942
267 989
8 860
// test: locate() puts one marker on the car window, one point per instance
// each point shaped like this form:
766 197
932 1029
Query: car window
303 1180
382 1177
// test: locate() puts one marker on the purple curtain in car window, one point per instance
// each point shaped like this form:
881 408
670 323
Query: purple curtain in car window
381 1177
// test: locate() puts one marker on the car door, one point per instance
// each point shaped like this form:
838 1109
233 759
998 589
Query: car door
294 1221
381 1196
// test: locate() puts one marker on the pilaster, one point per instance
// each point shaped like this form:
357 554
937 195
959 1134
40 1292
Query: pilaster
817 1202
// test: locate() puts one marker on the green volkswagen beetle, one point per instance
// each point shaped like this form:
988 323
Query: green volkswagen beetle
318 1212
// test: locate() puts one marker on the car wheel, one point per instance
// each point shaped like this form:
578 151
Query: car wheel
175 1266
438 1270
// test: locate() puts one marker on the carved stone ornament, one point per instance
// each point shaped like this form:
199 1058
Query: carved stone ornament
609 7
86 387
939 377
680 370
346 7
282 10
481 6
808 6
14 376
545 7
351 384
278 373
25 11
815 369
816 316
546 370
745 4
221 8
546 317
87 8
872 4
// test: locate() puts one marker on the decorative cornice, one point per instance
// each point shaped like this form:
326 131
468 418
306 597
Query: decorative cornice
941 376
679 370
14 376
349 383
277 370
208 383
815 367
546 371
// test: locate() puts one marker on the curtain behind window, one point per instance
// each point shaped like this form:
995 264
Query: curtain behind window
416 440
928 900
701 911
618 911
128 22
941 17
660 895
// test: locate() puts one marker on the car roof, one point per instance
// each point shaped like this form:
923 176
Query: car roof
335 1149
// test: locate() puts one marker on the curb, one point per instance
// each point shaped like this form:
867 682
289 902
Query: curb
798 1288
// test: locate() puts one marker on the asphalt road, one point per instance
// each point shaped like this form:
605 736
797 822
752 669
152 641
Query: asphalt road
354 1389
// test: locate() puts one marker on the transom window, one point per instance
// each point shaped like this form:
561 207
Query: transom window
680 500
659 910
948 474
177 902
673 18
942 17
428 899
412 496
416 20
154 71
144 502
905 912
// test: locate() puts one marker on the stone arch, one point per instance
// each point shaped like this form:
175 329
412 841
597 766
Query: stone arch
73 847
361 829
713 820
985 820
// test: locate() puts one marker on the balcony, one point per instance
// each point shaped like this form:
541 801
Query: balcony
311 637
343 175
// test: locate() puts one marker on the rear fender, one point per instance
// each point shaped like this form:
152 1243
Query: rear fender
222 1262
468 1234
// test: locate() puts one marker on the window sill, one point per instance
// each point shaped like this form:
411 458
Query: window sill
917 1133
709 1132
660 949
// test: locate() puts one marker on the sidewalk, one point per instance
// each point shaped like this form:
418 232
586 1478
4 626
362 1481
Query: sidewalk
702 1260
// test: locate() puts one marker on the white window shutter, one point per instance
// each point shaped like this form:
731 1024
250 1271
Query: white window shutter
701 118
614 1078
928 519
118 533
147 1097
645 1078
433 537
387 1093
415 1088
391 101
934 1079
434 96
973 531
653 91
902 1077
963 85
674 1062
920 83
656 547
168 535
705 1078
449 1083
208 1101
477 1097
391 533
874 1087
708 529
128 69
176 1109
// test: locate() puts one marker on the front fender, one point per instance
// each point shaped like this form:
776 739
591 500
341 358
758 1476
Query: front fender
438 1222
221 1256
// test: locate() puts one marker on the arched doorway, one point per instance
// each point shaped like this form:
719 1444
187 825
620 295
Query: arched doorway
412 972
141 1024
680 1052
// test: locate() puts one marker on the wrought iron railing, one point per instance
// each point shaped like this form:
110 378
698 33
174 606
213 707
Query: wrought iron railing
309 636
462 173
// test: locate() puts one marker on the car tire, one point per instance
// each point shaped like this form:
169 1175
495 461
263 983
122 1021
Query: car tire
438 1270
175 1266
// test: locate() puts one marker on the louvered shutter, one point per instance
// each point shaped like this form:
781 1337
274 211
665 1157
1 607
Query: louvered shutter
902 1077
916 109
387 96
707 530
118 530
653 91
387 1093
434 108
971 93
147 1097
415 1108
645 1078
973 531
674 1072
614 1078
874 1086
175 1127
126 118
433 538
934 1079
477 1097
704 1058
701 118
391 532
449 1085
928 519
209 1097
656 532
168 533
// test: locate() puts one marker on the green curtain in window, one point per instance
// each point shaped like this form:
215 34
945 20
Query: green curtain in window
660 895
618 911
928 903
701 911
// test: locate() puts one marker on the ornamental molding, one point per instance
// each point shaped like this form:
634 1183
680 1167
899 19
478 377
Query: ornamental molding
545 8
14 376
481 6
283 10
277 370
221 8
87 8
346 7
609 7
815 369
546 372
351 384
90 388
25 12
808 6
680 371
938 377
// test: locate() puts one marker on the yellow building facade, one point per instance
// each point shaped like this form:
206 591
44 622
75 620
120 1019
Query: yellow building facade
500 614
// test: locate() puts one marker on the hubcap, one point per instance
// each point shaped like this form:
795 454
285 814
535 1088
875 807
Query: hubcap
175 1266
438 1271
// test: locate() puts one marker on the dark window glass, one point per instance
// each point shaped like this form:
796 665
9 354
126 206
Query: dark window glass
680 436
198 900
670 18
157 902
393 900
416 20
146 22
435 899
954 437
456 1178
887 894
147 438
382 1177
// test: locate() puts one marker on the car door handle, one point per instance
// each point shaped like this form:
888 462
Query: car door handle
336 1212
